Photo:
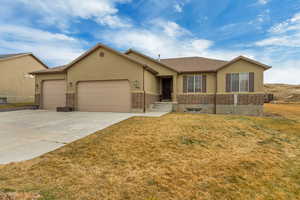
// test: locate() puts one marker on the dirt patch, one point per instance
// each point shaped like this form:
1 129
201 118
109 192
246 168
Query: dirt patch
18 196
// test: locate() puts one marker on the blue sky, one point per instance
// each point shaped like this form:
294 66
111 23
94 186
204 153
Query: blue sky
58 31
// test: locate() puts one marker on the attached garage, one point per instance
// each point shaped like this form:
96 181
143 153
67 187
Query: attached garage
54 94
104 96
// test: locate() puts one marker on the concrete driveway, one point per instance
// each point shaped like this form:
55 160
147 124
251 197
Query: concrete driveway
30 133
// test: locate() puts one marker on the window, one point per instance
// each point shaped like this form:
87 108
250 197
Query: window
244 82
239 82
194 83
235 82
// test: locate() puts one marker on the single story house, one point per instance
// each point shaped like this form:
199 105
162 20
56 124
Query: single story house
103 79
16 84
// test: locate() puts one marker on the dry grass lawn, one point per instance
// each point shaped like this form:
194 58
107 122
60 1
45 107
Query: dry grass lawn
177 156
284 93
14 105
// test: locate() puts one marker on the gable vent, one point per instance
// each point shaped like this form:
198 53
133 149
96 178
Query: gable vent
101 54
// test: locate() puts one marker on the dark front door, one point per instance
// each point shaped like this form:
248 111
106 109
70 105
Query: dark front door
166 88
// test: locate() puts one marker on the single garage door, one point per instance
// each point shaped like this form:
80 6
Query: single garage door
104 96
54 94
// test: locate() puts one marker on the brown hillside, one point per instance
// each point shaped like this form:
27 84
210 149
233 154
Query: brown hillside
284 93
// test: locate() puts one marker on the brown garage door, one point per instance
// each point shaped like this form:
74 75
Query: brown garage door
54 94
104 96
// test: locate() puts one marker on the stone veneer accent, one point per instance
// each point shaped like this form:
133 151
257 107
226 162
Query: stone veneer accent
225 99
37 99
196 99
150 99
70 101
254 99
137 100
242 99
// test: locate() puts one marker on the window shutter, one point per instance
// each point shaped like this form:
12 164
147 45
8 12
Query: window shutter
184 84
228 82
251 82
204 83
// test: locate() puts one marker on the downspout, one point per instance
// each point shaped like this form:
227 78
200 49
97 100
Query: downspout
144 107
215 110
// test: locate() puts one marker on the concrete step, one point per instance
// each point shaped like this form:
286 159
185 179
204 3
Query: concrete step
162 107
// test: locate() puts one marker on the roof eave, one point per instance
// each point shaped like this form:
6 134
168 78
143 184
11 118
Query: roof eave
266 67
47 72
26 54
197 71
146 67
149 58
99 45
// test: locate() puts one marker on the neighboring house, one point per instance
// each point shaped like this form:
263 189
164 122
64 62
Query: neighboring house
16 84
103 79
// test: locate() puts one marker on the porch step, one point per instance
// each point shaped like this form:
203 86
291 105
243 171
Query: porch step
162 107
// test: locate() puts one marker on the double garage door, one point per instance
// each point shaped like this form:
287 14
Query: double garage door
95 96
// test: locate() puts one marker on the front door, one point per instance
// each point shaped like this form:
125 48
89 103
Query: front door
166 88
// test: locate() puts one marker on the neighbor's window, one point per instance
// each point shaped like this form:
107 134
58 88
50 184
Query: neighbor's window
194 83
239 82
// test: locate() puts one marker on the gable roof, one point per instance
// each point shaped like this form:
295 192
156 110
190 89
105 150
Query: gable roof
194 64
247 60
149 58
90 51
17 55
200 64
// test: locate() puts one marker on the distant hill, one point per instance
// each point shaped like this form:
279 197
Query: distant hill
284 93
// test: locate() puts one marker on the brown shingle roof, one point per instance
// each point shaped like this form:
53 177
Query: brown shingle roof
51 70
194 64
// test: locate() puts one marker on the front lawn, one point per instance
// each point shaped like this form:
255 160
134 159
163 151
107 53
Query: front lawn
174 157
14 105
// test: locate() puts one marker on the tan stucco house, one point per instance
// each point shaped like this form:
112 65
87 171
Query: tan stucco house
103 79
16 84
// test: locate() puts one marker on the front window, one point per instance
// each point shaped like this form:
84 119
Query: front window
194 83
244 82
239 82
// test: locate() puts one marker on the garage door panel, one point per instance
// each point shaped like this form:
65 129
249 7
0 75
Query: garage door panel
54 94
104 96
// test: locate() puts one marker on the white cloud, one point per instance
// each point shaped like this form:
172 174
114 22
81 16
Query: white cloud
292 24
61 13
286 34
52 47
288 74
169 28
166 38
263 2
288 41
113 21
178 8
